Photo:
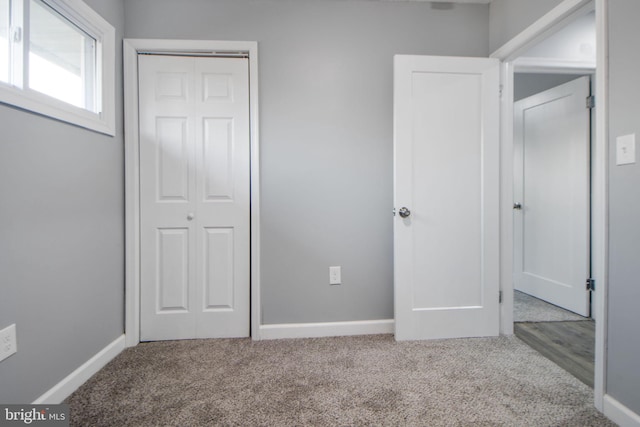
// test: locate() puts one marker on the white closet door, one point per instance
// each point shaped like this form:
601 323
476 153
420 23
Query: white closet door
194 182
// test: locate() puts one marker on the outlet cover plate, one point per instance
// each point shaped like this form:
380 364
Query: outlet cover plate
8 342
334 275
626 149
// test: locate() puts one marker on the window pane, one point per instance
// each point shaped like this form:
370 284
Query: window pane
61 58
4 41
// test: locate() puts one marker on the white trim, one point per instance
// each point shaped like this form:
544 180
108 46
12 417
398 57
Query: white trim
132 196
619 413
600 202
506 201
553 65
104 122
71 382
131 47
328 329
545 26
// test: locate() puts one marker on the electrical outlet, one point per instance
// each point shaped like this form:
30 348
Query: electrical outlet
626 149
8 342
334 275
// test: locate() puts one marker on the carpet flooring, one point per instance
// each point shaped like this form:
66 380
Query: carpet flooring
342 381
530 309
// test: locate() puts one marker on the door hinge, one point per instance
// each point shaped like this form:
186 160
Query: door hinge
501 90
591 284
499 297
16 34
591 101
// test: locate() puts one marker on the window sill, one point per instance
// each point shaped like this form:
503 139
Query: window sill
49 107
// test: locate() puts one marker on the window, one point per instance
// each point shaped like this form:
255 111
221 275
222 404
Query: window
57 59
4 41
62 58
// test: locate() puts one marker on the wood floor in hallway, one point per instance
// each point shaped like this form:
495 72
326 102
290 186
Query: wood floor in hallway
569 344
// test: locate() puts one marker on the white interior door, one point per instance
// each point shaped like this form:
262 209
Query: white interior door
551 195
446 140
194 186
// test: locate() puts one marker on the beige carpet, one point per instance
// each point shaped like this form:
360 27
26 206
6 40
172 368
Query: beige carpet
348 381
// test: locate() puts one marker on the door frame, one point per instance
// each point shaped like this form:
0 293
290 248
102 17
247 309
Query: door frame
131 49
556 19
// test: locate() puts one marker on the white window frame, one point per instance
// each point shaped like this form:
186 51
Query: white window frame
81 15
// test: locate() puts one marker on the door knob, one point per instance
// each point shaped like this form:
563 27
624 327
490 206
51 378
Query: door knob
190 216
517 206
404 212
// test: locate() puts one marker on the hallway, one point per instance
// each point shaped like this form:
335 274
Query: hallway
561 336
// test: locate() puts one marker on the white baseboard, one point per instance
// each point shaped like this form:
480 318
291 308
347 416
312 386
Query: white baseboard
71 382
620 414
329 329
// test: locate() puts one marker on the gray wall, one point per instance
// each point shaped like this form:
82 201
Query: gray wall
510 17
527 84
326 120
623 356
61 241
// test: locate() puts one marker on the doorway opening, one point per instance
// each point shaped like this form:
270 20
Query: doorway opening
553 123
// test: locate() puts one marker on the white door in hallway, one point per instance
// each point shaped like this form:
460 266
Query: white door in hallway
194 184
551 195
446 228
